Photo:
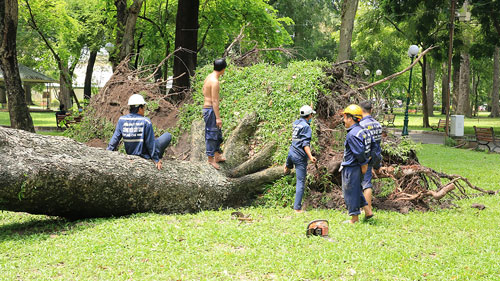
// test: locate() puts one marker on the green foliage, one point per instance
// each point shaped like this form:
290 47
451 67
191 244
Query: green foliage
402 149
279 194
315 27
90 128
450 142
274 93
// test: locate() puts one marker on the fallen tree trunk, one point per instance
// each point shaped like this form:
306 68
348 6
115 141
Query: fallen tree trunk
59 176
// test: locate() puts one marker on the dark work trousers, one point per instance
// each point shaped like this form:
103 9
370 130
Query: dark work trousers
351 189
161 143
300 164
213 135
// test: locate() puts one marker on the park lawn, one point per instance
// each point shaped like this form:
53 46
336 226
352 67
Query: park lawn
453 244
40 119
415 122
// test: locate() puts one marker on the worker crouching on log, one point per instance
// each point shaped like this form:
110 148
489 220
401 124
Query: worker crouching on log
357 154
137 133
211 114
299 152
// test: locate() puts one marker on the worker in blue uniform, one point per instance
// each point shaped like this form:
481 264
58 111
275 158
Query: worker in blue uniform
357 152
375 129
300 152
138 135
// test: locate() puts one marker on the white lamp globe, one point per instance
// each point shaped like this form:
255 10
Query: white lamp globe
367 72
378 72
413 51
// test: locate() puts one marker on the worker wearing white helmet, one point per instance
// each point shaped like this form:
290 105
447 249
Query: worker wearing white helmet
300 152
137 133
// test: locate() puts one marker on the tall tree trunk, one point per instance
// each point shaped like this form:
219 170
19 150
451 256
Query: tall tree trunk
20 117
64 93
425 108
126 20
475 84
87 88
3 95
444 87
186 36
27 91
456 83
463 106
349 8
431 77
495 92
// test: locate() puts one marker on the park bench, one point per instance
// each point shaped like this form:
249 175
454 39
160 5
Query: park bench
440 125
389 119
485 136
412 111
67 121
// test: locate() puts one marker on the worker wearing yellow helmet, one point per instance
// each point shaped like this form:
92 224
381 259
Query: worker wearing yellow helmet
358 144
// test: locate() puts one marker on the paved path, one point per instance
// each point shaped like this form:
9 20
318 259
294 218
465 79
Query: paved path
427 137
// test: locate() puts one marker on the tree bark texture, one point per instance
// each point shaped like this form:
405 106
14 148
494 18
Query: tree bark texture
126 21
495 92
186 37
3 95
64 92
455 89
27 90
463 105
431 78
444 87
20 117
87 87
425 118
349 8
59 176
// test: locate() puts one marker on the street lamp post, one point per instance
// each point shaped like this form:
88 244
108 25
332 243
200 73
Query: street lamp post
412 53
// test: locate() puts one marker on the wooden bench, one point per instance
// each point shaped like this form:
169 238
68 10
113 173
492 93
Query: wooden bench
67 121
412 111
485 136
389 119
440 125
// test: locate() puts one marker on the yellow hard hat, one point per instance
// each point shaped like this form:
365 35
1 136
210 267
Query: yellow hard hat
354 110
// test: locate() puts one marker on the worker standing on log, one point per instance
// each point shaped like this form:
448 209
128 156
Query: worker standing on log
211 114
299 152
137 133
375 129
358 144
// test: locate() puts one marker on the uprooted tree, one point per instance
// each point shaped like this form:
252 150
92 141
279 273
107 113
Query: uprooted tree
59 176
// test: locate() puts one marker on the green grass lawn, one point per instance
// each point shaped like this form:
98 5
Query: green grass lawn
40 119
455 244
415 122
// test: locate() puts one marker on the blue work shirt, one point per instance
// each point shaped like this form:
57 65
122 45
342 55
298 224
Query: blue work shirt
138 136
301 137
358 144
373 126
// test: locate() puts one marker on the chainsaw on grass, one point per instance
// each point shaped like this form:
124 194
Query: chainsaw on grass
317 228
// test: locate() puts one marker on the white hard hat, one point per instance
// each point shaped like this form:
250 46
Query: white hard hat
306 110
136 99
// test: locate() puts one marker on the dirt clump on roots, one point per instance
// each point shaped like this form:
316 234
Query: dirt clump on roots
111 101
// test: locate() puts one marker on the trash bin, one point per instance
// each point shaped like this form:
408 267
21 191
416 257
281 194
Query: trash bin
457 125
